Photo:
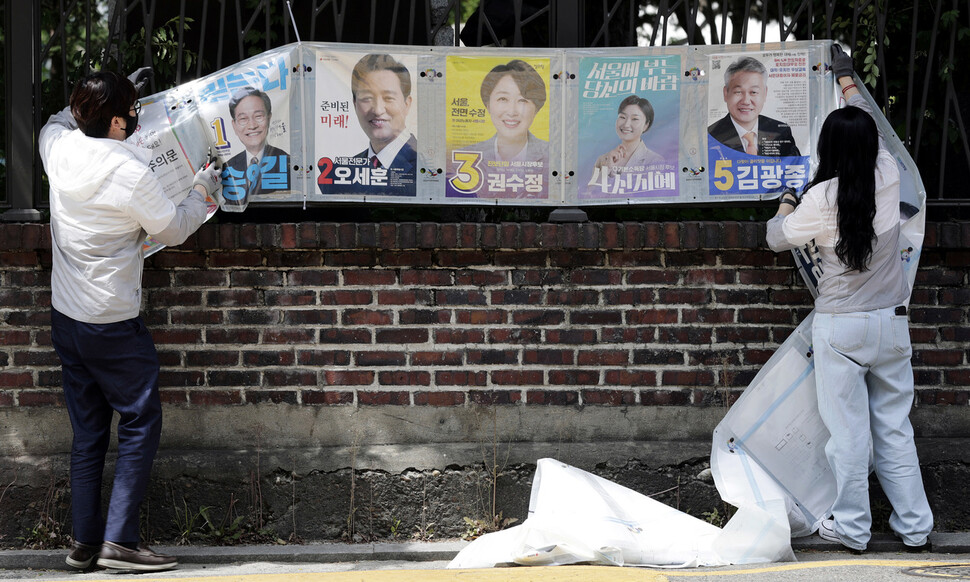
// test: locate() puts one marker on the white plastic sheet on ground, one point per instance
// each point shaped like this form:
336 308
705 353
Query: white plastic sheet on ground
577 517
771 443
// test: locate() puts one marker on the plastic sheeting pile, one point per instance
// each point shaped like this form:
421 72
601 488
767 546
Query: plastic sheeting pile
576 517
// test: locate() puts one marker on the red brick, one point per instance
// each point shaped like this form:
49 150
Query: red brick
230 336
380 359
460 378
425 277
630 378
609 397
323 358
404 378
437 358
573 377
370 277
459 336
40 398
938 357
326 397
517 377
16 379
553 397
481 278
493 397
346 297
258 396
404 297
215 397
685 378
602 357
439 398
570 336
170 396
665 397
383 398
348 377
481 316
651 316
424 316
514 336
351 317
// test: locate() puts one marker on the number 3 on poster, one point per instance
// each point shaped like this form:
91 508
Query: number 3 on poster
468 174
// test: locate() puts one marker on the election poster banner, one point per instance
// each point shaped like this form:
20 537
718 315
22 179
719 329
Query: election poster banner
497 128
169 158
758 122
629 127
323 122
178 145
247 111
365 124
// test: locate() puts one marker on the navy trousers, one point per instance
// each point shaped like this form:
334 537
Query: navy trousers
109 368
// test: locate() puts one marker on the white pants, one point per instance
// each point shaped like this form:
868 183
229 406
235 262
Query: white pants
865 390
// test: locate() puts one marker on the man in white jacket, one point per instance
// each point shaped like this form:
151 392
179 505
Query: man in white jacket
103 200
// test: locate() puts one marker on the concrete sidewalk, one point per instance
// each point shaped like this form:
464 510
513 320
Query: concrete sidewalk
442 551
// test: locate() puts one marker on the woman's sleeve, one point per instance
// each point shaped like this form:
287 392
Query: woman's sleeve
859 101
799 227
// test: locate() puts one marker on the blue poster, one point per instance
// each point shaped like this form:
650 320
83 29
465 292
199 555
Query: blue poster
629 127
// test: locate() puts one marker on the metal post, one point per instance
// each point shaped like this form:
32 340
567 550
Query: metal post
568 20
569 23
20 20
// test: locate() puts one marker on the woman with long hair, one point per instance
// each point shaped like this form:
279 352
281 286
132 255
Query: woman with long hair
860 334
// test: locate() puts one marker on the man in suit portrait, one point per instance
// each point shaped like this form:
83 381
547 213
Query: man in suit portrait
744 128
381 90
260 167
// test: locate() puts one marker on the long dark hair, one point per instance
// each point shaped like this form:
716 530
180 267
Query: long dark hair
847 149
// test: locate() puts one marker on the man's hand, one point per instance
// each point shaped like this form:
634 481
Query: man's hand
140 78
209 178
841 62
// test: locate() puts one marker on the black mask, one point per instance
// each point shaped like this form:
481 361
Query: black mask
131 123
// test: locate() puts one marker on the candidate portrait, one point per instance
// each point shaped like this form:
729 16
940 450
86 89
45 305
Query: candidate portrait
260 168
513 93
744 128
381 91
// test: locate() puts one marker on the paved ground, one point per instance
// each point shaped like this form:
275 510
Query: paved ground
426 562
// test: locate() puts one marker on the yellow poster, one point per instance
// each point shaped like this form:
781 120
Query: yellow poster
497 127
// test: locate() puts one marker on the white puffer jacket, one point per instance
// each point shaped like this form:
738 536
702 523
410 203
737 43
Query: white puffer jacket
103 199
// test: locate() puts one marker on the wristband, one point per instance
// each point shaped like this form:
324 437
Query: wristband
790 203
847 87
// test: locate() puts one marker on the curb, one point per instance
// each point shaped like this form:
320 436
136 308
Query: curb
284 553
942 543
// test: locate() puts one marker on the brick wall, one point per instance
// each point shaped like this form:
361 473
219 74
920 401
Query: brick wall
409 358
452 315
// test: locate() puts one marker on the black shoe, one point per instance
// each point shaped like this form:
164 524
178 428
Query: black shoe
82 555
924 547
143 559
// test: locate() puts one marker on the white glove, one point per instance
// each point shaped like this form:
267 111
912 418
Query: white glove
210 178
